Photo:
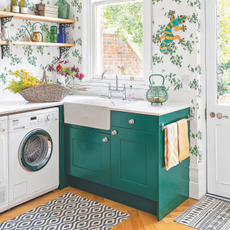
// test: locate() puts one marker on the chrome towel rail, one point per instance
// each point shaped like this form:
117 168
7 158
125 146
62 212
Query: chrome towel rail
163 127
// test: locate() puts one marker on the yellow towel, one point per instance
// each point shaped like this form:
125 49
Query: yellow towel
171 146
183 144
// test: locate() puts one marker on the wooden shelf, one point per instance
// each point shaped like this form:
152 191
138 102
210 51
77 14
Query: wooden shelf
4 14
38 44
3 43
43 44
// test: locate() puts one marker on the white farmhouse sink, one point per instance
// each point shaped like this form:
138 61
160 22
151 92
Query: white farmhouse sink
91 112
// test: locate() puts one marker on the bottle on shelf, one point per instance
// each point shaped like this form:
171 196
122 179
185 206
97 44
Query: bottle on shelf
63 9
53 34
23 6
8 7
61 35
15 6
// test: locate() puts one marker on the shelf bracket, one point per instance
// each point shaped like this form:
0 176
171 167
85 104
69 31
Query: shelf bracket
5 20
63 50
66 25
4 49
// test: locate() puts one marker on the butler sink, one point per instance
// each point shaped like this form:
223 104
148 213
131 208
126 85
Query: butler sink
91 112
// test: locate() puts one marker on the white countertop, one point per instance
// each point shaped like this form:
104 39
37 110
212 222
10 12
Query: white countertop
145 107
11 106
140 107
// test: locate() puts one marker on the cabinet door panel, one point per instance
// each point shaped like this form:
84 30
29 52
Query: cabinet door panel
88 157
134 162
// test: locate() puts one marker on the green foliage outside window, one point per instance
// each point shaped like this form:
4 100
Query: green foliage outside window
125 20
224 47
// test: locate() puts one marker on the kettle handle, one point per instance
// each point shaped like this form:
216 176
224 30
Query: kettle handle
41 26
156 75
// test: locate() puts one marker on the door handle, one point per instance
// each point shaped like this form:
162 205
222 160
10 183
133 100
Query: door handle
220 116
212 114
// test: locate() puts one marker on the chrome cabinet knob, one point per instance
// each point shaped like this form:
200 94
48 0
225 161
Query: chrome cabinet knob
114 132
105 139
220 116
131 121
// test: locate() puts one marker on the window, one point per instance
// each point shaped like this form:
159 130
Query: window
120 32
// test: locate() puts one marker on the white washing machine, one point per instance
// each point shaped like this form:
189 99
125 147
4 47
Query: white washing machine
3 164
33 154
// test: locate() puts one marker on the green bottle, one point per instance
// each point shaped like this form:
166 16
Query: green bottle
53 34
15 6
23 6
63 9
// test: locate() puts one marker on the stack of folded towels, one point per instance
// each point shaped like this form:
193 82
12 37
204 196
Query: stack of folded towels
176 143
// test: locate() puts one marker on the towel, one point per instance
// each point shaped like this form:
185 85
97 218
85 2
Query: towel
171 146
183 143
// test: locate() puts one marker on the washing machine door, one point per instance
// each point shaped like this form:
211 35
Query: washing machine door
35 150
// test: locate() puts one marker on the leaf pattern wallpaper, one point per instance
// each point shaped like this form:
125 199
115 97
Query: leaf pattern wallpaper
183 58
32 58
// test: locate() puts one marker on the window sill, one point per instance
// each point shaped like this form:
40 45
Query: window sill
104 83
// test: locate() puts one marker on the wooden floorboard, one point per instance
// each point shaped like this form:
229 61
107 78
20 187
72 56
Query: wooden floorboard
138 220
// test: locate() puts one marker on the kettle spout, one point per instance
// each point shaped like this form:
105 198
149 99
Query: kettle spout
27 31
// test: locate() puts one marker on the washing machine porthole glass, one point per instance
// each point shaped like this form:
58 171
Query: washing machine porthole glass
35 150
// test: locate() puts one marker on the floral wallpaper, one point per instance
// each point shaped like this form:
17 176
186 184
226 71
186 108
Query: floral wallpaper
35 58
183 59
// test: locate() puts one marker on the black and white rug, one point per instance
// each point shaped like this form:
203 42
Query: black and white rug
207 214
68 212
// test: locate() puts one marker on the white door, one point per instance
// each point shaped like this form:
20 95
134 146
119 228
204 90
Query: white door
218 102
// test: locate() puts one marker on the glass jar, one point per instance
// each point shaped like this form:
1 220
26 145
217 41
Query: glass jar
61 35
53 34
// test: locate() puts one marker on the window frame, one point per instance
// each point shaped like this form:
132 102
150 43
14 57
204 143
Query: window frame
90 41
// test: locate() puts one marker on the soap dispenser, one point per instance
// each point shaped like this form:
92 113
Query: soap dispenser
130 93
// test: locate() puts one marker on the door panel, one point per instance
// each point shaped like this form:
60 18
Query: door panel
218 129
87 156
130 150
134 162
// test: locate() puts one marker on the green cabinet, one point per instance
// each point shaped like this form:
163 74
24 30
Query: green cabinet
88 155
134 162
126 163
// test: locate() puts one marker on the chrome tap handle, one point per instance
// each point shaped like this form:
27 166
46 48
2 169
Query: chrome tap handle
124 92
109 92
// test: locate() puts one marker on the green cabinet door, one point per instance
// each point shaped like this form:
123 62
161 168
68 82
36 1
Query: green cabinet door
88 155
134 162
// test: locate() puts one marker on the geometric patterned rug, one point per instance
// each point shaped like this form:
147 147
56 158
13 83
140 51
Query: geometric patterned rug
207 214
68 212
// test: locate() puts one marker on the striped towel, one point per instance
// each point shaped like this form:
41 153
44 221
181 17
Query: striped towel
171 146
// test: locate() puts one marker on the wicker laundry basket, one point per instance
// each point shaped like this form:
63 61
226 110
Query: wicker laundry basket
45 92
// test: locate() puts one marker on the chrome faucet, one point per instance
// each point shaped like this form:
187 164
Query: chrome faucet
117 89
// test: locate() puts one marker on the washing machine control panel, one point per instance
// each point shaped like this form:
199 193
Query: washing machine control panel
3 126
42 119
37 118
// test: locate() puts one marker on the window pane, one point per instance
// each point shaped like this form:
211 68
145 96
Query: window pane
223 51
121 39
